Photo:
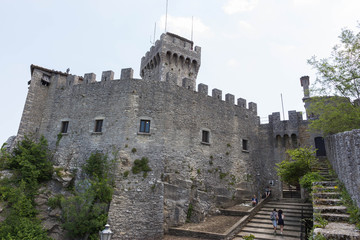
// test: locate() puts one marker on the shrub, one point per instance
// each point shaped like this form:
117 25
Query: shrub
307 180
302 161
21 228
189 212
31 160
82 216
55 201
96 165
141 166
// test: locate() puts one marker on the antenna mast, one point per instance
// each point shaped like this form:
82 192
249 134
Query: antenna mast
282 105
154 33
166 15
192 27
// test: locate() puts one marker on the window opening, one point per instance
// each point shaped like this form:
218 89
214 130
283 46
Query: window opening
64 126
245 145
205 136
145 126
98 125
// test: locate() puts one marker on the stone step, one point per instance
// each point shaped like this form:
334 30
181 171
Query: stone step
270 226
332 195
330 209
339 231
326 183
327 201
287 233
265 236
266 219
336 217
325 189
287 207
282 203
290 210
286 213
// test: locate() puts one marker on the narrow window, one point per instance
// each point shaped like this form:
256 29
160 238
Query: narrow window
64 126
98 125
245 146
145 126
205 136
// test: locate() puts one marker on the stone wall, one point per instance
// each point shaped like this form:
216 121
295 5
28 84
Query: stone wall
343 151
185 169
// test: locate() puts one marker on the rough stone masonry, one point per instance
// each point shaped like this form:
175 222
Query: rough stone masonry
204 151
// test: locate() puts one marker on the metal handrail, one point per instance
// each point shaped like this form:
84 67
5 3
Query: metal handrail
302 223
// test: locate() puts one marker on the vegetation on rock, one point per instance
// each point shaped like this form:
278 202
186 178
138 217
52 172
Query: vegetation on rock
31 165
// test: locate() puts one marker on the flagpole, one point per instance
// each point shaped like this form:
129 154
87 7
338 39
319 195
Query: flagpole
166 15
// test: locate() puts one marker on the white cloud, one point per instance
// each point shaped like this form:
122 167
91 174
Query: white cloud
284 51
233 62
236 6
246 26
182 26
305 2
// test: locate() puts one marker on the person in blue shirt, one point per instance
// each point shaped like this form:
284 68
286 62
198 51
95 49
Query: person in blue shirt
254 201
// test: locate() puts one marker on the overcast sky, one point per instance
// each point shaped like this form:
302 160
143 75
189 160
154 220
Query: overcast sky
253 49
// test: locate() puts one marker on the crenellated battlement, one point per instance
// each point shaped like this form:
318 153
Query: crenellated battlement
286 127
63 80
172 54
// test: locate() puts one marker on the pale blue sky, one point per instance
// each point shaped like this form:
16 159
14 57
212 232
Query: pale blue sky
253 49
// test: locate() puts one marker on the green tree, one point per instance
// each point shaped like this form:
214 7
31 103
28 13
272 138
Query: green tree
331 115
301 161
97 165
339 76
85 213
31 160
31 165
83 216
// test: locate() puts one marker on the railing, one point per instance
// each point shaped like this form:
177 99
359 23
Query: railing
302 223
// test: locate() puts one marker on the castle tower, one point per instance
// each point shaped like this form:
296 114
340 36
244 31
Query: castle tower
305 82
174 59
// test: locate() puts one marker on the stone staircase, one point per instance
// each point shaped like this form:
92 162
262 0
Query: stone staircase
261 227
330 217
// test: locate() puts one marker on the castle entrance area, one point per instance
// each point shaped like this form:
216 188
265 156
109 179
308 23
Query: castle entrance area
320 146
291 191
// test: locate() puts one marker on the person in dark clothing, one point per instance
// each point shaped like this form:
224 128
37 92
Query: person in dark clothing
281 217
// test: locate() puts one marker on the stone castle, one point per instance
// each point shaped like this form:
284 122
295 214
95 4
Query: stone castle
204 151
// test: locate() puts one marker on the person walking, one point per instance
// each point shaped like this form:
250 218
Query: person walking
281 217
267 191
254 201
274 218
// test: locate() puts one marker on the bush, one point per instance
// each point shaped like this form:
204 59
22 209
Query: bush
31 160
82 216
96 165
85 213
141 166
55 201
302 161
307 180
21 228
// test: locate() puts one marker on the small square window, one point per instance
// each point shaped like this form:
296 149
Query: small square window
64 126
144 126
98 125
205 136
245 146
